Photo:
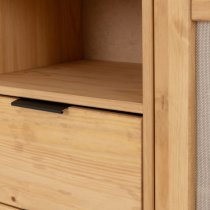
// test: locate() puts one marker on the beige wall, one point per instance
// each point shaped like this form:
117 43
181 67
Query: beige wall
112 30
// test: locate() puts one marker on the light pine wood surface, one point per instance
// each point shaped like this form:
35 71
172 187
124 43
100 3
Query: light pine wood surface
38 33
174 105
148 106
83 159
201 10
107 85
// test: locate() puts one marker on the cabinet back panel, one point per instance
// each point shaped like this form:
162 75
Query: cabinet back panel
112 30
38 33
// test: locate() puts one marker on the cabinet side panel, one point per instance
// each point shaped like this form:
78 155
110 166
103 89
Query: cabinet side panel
174 105
38 33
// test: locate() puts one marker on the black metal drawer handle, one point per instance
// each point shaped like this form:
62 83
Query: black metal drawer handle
40 105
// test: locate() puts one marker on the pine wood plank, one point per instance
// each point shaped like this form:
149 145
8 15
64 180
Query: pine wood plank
108 85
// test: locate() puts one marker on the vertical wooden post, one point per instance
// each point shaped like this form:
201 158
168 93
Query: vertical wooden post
174 105
148 101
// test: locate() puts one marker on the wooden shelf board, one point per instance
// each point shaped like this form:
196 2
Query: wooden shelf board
108 85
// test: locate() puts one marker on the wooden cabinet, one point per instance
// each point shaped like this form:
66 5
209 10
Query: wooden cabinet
81 159
116 64
96 58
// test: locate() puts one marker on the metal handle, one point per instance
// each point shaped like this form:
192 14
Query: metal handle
46 106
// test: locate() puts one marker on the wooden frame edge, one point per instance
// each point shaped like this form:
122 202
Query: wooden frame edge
175 100
200 10
148 105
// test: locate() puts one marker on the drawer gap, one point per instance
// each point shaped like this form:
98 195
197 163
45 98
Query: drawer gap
10 206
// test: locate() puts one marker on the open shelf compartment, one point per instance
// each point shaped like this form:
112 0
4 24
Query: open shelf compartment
50 47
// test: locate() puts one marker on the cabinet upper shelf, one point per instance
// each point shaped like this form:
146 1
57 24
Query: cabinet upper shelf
108 85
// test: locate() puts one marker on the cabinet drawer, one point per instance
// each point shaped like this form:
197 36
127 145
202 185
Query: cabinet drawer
83 159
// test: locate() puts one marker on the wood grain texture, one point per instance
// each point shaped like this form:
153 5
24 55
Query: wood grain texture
112 30
83 159
38 33
174 105
148 106
107 85
201 10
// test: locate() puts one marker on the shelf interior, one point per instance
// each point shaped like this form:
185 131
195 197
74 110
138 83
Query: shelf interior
107 85
49 52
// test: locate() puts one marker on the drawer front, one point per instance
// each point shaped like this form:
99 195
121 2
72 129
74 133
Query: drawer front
84 159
